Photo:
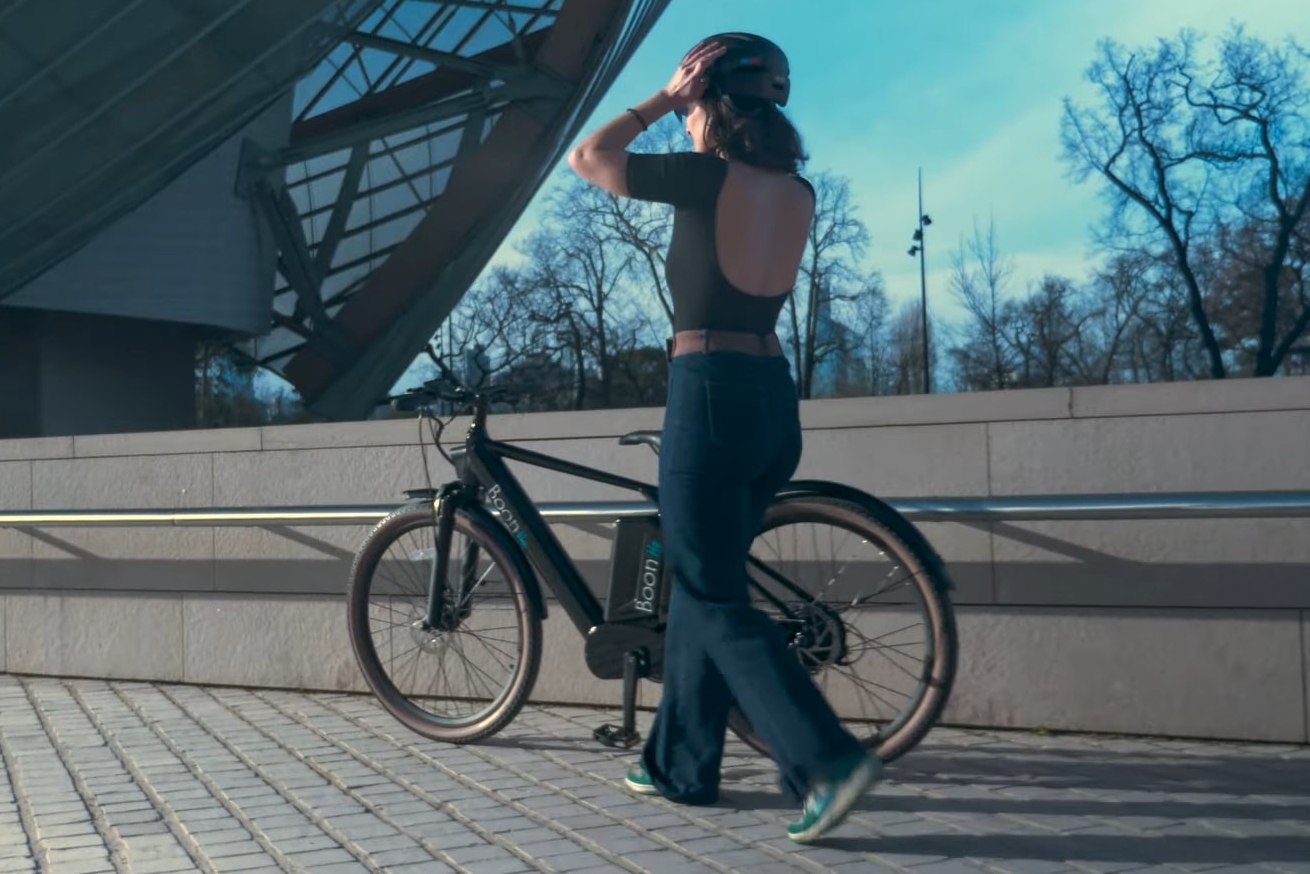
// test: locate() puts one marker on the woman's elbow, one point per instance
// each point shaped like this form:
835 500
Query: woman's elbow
578 161
601 168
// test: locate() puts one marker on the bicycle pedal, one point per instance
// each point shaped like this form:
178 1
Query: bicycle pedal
614 736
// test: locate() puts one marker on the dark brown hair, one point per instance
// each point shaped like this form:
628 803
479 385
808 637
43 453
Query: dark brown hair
753 131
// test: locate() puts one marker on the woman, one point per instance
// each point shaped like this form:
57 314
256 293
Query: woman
731 435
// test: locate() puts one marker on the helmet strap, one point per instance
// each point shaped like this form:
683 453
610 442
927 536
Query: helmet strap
756 108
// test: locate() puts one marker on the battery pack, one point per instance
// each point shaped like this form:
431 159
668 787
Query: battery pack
639 582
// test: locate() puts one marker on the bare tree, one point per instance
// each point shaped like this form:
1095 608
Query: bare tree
640 376
583 275
1188 146
1163 344
1237 261
642 226
866 369
1058 333
829 275
579 305
904 358
499 316
1048 334
1040 339
225 394
1117 296
984 357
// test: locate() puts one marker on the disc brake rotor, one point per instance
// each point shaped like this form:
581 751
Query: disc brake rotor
818 635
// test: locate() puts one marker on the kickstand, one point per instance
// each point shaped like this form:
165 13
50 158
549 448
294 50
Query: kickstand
635 666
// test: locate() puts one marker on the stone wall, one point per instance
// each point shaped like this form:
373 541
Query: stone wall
1175 627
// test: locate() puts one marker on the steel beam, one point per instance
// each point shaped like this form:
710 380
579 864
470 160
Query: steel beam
424 278
497 6
481 69
346 197
402 179
283 222
530 87
419 91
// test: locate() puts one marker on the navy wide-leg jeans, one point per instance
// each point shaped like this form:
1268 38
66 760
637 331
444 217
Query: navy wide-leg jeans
731 440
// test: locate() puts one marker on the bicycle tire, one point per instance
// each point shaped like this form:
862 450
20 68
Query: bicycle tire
881 524
477 525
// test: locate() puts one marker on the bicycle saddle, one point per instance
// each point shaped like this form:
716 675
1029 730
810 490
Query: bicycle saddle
636 438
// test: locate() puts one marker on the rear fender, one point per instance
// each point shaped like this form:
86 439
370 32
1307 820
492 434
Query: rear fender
880 510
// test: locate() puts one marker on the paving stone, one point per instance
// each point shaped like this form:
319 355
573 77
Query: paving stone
500 866
965 801
400 856
423 868
353 867
480 852
314 859
163 865
87 866
243 863
62 856
379 845
307 843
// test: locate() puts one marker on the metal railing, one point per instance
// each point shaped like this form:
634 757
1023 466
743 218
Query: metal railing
1021 508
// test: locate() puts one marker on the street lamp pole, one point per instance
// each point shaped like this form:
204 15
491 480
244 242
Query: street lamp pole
917 249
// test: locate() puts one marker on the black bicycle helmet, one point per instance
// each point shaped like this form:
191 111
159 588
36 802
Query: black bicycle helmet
752 67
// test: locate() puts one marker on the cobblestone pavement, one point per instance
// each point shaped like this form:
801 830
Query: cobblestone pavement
152 779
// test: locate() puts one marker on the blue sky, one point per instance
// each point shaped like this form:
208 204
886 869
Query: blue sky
971 91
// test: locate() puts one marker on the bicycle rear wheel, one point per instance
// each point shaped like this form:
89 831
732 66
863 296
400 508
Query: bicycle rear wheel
851 617
404 664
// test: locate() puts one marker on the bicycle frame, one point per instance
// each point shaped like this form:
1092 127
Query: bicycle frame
481 463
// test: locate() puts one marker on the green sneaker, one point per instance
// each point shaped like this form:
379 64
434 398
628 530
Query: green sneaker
639 781
827 806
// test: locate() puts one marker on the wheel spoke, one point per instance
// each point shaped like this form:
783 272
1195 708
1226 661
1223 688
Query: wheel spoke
843 586
467 675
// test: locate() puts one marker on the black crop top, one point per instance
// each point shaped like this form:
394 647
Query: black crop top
703 298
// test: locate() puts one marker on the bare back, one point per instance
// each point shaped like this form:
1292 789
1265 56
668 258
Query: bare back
739 234
761 227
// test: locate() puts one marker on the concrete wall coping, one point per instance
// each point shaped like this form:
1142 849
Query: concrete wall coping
1233 396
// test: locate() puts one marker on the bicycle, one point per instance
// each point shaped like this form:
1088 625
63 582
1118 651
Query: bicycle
486 505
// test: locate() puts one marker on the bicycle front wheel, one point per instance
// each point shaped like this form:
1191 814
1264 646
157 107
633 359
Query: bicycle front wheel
864 610
467 679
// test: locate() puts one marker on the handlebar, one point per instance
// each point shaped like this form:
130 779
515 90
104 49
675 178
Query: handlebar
448 389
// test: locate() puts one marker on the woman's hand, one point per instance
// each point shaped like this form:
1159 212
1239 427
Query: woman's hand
602 157
688 82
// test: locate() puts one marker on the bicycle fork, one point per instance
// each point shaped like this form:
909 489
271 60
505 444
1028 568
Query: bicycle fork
444 613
